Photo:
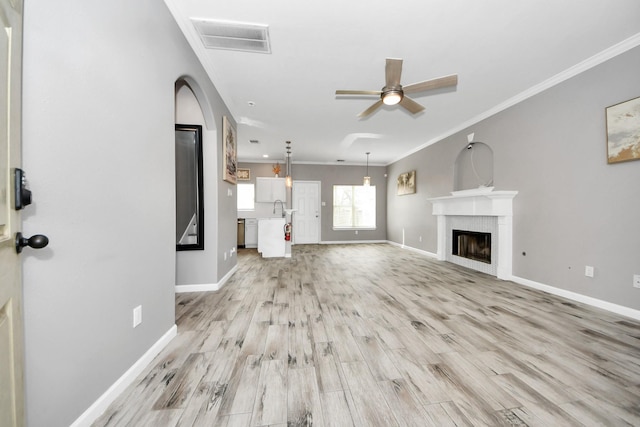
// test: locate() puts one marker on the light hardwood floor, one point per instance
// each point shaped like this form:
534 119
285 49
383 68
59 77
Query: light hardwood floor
374 335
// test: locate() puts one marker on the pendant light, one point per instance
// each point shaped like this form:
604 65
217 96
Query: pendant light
367 178
288 179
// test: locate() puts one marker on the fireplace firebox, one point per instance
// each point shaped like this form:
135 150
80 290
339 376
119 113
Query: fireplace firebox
472 245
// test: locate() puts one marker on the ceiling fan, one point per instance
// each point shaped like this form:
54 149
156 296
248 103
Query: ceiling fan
394 93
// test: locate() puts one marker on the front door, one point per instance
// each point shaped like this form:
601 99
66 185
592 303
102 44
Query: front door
306 220
11 354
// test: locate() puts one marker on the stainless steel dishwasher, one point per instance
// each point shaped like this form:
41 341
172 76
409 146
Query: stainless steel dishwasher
240 232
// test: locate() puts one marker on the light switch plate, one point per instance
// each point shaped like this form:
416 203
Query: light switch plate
137 316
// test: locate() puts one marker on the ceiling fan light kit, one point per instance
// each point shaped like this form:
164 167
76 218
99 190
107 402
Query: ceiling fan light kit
392 97
393 93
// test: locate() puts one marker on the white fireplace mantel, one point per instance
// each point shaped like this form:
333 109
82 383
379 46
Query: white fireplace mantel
479 202
475 202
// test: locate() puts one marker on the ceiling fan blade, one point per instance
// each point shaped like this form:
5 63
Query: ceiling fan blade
370 110
358 92
412 106
393 70
445 81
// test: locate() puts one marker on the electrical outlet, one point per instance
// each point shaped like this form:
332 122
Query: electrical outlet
137 316
636 280
588 271
356 231
420 238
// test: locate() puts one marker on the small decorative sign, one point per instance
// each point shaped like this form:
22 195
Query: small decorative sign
244 174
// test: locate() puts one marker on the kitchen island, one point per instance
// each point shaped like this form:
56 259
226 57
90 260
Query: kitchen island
271 241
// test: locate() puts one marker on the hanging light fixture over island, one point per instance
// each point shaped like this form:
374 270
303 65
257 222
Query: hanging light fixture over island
367 178
288 179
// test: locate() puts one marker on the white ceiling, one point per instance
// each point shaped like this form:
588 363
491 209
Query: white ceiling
502 51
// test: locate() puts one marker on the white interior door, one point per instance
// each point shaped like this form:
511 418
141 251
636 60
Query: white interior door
306 220
11 337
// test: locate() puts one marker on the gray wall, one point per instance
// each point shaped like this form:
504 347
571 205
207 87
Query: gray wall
98 146
573 209
330 175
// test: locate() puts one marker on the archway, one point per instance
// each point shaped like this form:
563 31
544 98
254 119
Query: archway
194 267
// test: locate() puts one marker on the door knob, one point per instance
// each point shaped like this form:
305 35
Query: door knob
37 241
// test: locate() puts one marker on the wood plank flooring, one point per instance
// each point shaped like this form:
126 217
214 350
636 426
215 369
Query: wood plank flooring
374 335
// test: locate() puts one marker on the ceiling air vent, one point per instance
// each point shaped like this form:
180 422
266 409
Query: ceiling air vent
233 35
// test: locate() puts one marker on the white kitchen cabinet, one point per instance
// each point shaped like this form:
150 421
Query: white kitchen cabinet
268 190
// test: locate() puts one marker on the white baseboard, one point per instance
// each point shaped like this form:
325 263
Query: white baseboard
420 251
205 287
99 406
350 242
614 308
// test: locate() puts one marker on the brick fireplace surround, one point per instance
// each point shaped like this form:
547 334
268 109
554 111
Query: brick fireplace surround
482 210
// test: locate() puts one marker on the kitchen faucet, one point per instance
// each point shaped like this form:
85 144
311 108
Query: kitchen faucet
281 207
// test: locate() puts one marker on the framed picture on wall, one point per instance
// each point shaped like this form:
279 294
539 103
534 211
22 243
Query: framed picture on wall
230 153
407 183
623 131
244 174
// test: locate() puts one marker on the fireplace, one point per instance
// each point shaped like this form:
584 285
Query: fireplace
473 245
479 211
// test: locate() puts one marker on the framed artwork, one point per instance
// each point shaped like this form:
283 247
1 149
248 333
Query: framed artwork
244 174
407 183
623 131
229 155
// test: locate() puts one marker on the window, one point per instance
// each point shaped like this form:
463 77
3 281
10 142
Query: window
246 197
354 207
